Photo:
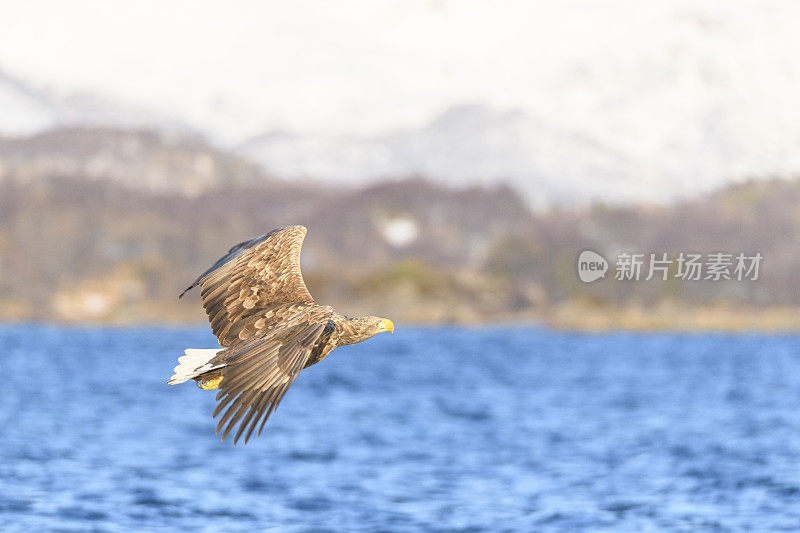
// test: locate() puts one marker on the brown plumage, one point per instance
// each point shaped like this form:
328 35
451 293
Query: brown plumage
269 326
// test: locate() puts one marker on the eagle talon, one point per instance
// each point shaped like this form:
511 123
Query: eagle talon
210 384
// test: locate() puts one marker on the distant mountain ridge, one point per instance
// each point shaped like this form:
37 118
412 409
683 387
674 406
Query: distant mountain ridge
142 160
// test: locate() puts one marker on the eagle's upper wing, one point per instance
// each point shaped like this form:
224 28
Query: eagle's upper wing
256 275
259 371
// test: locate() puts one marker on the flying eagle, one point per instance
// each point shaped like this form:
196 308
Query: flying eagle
269 327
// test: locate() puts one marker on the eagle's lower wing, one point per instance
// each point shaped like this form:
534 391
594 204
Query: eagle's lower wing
259 372
255 276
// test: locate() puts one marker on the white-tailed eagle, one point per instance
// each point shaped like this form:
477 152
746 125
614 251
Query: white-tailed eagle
269 328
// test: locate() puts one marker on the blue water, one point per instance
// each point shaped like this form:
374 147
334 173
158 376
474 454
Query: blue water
425 430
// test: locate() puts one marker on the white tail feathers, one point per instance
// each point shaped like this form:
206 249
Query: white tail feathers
194 363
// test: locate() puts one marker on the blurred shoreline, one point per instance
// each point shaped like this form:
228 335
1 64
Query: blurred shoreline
109 226
566 317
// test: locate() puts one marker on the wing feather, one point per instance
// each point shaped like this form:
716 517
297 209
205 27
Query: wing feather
259 372
253 278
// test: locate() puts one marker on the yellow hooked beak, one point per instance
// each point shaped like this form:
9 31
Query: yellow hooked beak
387 325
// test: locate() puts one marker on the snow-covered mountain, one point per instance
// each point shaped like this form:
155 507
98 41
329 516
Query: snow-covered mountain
549 164
26 109
470 144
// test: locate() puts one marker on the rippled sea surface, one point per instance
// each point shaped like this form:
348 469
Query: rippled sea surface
449 429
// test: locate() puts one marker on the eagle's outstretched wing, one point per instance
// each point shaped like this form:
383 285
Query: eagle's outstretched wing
255 276
258 372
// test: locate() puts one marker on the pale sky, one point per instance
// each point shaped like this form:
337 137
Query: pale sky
336 66
360 67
